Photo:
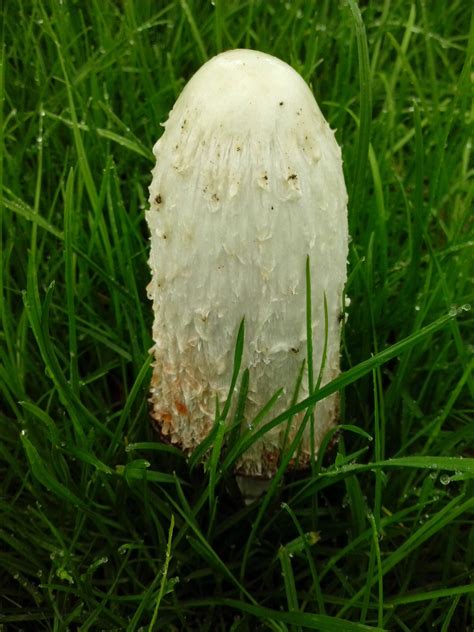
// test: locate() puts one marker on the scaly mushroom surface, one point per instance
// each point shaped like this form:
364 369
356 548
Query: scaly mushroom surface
248 181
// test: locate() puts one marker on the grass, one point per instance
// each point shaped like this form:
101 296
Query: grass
102 527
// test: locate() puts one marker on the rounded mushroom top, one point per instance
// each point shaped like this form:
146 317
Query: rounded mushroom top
228 91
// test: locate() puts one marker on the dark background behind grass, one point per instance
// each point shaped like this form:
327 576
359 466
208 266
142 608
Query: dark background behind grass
87 491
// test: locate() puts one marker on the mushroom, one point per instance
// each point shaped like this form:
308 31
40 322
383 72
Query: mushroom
248 182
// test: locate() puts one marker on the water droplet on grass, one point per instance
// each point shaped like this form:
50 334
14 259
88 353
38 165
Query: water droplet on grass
444 479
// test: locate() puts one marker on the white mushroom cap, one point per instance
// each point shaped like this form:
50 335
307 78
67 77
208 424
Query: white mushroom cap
248 182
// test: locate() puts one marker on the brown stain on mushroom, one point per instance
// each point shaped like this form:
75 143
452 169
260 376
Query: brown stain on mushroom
158 199
166 418
167 424
180 407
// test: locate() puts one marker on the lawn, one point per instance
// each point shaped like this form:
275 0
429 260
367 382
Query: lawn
102 526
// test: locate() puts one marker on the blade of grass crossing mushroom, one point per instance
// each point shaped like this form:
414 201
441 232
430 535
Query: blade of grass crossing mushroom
239 415
340 382
321 370
309 351
253 423
294 400
219 427
198 454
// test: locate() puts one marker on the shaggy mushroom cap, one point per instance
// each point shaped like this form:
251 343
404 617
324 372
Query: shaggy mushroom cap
248 181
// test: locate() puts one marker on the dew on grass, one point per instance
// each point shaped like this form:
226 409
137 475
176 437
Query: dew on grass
100 561
444 479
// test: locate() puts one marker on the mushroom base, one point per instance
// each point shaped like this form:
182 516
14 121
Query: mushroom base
186 429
